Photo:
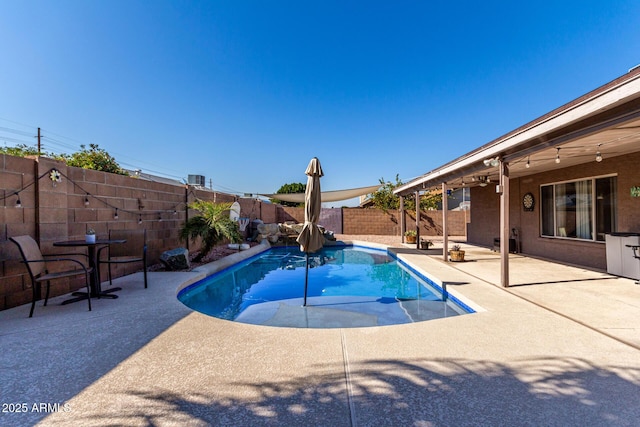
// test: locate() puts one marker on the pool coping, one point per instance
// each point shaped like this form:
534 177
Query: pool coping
462 302
222 264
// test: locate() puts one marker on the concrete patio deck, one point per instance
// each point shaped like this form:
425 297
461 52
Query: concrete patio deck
559 348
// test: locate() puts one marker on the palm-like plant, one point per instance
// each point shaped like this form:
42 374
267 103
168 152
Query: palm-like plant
213 225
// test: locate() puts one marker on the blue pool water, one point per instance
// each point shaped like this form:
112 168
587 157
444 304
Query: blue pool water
348 287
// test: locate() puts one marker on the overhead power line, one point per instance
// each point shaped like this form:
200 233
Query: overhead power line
53 142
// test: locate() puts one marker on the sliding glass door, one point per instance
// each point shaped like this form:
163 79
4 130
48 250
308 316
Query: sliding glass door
568 209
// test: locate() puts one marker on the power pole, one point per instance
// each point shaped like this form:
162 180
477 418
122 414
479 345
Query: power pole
39 145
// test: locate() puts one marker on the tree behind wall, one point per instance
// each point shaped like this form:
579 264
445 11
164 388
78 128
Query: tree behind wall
385 200
293 188
94 157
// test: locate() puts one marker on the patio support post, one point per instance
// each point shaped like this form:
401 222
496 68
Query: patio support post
445 232
504 223
403 223
417 219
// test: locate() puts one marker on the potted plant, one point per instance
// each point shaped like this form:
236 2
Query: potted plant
410 236
456 254
90 236
425 244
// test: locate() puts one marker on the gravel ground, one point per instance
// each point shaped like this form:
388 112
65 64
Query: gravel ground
216 253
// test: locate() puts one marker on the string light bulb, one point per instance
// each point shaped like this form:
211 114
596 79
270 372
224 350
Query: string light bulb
558 155
528 165
86 200
598 154
139 219
18 202
115 216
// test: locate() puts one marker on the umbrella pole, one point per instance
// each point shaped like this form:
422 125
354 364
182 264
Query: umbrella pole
306 281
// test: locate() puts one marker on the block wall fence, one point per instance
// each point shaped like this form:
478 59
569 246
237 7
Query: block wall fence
53 210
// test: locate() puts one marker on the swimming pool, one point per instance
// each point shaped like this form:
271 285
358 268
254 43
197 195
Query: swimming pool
349 286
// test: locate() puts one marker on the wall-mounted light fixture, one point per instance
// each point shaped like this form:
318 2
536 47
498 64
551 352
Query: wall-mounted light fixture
495 161
55 176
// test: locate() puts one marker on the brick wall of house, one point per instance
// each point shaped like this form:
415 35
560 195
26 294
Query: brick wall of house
485 215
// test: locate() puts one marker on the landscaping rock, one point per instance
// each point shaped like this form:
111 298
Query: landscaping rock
176 259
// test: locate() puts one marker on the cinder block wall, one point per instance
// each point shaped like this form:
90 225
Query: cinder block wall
15 174
54 211
377 222
330 218
287 213
370 221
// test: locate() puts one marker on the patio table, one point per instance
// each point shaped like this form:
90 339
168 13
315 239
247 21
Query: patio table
94 282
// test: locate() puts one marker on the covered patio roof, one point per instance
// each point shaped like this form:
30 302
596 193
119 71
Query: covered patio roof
605 120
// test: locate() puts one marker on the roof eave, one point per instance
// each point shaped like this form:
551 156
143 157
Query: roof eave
614 93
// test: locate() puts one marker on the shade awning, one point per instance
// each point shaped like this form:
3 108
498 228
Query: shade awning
327 196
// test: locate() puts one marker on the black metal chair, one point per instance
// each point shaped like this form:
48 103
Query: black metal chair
133 250
37 265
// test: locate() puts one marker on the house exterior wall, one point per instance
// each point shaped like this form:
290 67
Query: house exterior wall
485 212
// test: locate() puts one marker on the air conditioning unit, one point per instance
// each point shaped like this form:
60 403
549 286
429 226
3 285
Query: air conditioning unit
196 180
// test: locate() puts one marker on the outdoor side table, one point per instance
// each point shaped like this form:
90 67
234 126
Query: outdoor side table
96 291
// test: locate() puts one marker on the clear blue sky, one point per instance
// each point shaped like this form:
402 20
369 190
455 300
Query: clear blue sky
246 92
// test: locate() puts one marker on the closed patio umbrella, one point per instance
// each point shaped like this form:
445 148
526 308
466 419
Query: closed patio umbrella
311 238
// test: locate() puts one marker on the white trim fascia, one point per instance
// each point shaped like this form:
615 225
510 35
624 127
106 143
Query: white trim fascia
597 103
